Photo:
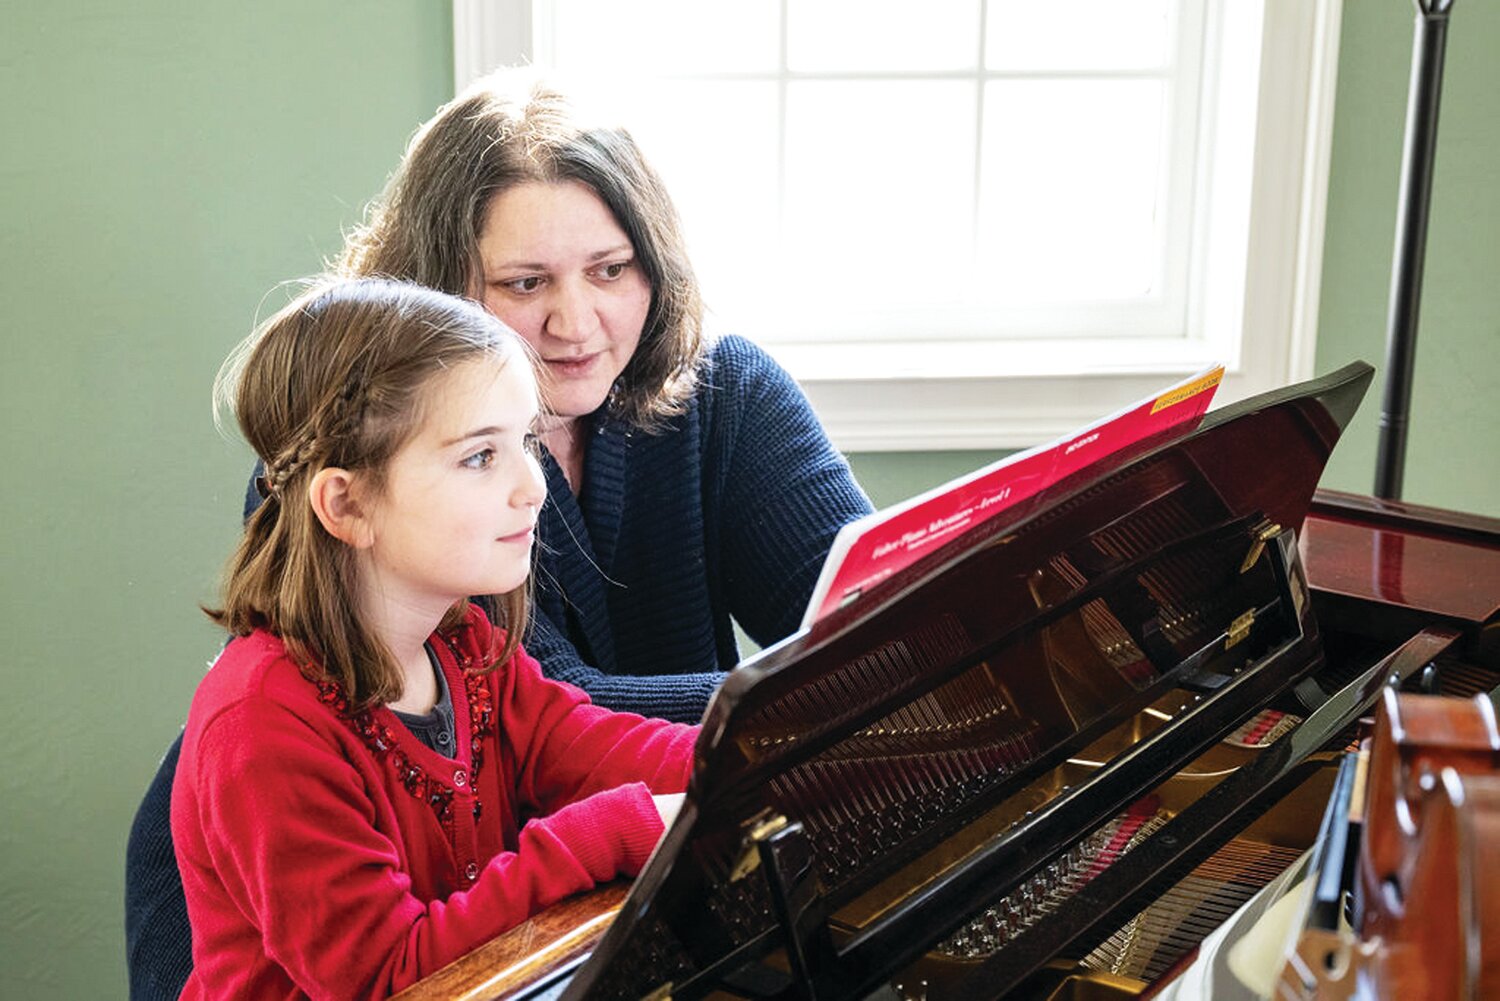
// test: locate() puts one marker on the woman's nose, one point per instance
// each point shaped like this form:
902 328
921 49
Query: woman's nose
573 316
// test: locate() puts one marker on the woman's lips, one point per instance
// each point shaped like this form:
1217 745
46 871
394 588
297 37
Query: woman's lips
573 367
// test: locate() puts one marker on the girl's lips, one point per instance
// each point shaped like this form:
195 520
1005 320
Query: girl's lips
521 536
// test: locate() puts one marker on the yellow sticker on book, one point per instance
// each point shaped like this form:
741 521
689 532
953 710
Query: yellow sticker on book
1188 391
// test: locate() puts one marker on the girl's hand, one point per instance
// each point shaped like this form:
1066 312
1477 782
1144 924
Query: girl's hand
667 807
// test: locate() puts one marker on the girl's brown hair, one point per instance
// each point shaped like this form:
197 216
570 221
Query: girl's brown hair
510 129
338 378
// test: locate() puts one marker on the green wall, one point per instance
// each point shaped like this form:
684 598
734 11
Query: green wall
1453 451
164 165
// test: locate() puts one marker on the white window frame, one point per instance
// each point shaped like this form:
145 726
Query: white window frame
1014 393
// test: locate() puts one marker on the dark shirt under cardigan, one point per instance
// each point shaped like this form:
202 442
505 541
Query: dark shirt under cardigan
726 514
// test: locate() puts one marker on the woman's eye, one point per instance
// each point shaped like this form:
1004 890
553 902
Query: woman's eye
613 270
524 286
533 445
482 459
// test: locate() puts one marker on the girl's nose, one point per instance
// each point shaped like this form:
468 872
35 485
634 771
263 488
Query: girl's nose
532 488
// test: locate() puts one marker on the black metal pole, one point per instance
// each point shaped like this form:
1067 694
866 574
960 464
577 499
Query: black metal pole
1414 198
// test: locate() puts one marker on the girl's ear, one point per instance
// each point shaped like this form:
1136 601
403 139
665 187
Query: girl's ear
335 501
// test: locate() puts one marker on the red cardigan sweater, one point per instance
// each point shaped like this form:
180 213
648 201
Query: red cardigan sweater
331 855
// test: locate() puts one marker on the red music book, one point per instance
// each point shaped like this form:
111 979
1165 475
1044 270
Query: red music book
869 550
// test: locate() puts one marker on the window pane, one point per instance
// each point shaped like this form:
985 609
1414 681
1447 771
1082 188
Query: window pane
645 37
1077 34
715 144
880 180
882 35
882 202
1068 203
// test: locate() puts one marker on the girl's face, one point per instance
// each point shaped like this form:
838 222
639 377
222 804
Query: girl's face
560 271
459 503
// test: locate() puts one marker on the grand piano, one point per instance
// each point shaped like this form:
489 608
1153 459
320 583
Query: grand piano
1063 755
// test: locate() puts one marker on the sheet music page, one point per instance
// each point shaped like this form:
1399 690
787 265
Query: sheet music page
875 547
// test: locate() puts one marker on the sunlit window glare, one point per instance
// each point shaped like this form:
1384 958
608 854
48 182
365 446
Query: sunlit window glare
870 169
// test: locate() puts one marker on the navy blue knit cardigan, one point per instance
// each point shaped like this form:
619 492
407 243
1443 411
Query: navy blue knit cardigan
728 513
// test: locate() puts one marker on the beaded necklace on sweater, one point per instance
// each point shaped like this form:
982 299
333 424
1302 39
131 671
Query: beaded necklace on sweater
381 739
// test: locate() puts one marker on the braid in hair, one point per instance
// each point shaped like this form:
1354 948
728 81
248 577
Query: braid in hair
331 425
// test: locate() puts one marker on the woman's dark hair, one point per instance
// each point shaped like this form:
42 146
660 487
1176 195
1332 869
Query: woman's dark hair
508 129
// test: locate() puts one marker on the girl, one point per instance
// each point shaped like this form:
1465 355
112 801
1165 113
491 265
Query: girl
360 760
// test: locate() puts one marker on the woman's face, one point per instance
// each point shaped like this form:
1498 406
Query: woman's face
561 272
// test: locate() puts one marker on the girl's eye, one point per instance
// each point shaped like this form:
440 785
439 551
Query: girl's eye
482 459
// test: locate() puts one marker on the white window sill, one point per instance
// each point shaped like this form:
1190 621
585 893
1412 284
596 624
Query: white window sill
1010 395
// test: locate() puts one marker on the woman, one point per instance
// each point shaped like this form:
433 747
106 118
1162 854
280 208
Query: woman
688 483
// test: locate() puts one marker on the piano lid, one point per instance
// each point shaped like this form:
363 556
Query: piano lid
896 728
